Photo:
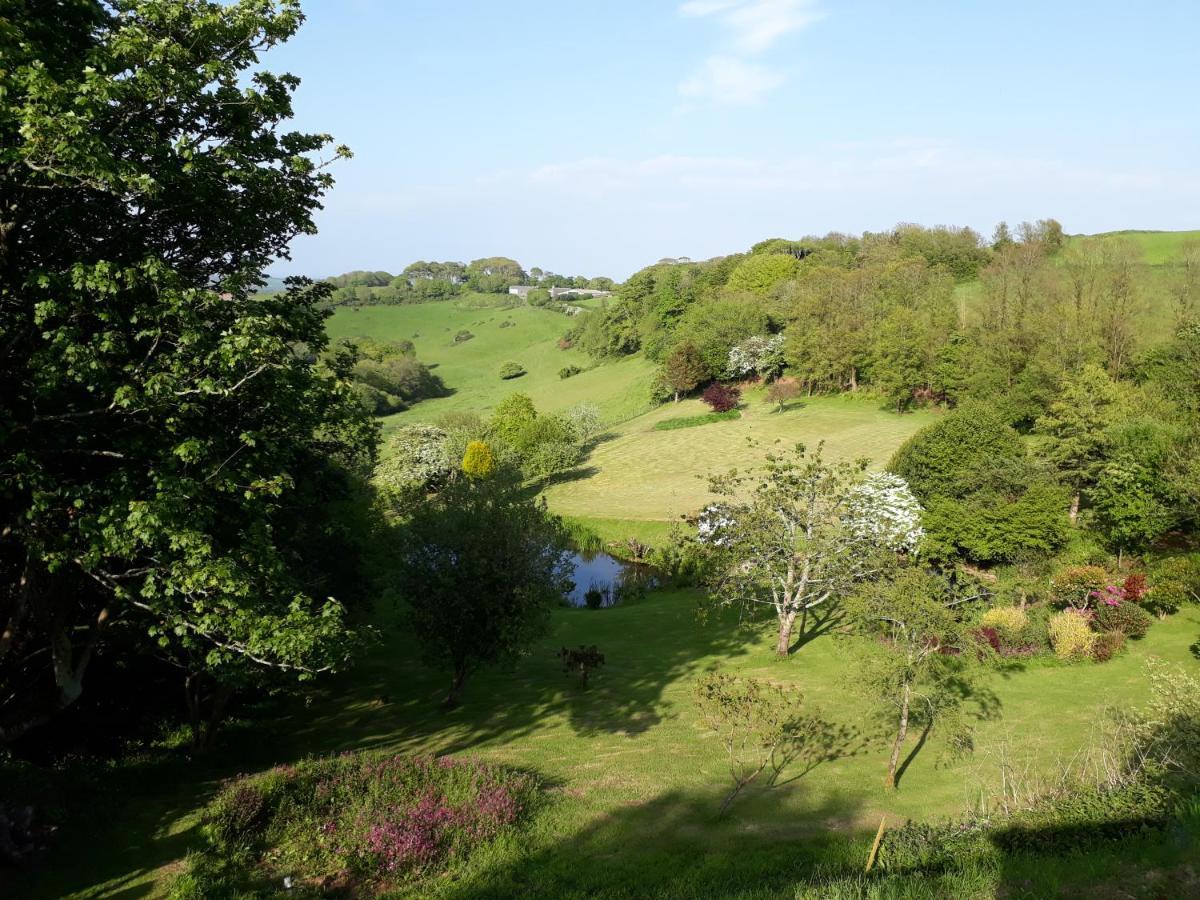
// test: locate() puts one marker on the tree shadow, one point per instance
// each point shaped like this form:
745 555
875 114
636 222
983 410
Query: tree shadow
675 845
820 622
912 754
648 645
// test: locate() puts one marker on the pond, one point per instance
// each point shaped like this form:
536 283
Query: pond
606 579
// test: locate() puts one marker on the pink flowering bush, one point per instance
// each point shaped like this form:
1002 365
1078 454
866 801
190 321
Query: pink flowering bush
361 819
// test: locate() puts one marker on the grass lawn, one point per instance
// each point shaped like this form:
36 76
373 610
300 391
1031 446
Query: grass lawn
643 473
471 369
634 782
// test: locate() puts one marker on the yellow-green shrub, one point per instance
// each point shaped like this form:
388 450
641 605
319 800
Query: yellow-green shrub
1071 636
1007 620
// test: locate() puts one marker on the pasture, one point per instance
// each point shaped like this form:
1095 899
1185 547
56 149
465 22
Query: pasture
640 472
470 368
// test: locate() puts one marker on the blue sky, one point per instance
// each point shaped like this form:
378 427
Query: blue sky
595 137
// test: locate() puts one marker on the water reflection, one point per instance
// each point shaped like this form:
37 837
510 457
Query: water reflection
601 580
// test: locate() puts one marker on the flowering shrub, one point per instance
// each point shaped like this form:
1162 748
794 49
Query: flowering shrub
1110 595
884 511
1128 618
378 820
721 397
1071 636
758 355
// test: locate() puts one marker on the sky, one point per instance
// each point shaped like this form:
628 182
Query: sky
593 137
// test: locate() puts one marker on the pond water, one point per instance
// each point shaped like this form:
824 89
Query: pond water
606 578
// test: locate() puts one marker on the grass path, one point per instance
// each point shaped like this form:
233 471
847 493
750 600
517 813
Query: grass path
634 780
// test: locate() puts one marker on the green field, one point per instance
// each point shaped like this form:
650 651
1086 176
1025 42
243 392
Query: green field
640 472
1157 247
634 782
470 369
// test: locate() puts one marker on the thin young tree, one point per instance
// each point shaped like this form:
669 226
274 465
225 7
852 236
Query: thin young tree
912 659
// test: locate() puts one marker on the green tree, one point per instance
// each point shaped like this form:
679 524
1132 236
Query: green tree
481 568
899 367
683 370
790 538
511 414
760 272
915 655
1075 426
478 461
160 436
938 459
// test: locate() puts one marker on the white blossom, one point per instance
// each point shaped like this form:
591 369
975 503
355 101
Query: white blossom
884 511
714 525
758 355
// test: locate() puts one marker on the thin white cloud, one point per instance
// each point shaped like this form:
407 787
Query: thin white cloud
755 25
729 80
734 76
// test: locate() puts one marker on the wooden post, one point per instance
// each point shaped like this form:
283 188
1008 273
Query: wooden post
875 846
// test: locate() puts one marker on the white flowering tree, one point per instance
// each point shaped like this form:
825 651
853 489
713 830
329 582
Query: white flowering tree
415 461
759 355
799 533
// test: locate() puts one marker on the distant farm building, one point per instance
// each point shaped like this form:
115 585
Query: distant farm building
522 291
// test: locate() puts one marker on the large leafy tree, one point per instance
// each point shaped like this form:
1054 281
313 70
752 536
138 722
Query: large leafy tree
1075 429
163 429
797 535
482 567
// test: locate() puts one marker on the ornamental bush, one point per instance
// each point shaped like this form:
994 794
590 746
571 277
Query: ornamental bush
1009 621
1174 582
1127 618
1108 645
478 461
360 820
1075 585
720 397
1071 636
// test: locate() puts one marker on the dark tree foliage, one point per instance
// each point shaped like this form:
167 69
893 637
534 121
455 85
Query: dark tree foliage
162 442
720 397
984 498
481 568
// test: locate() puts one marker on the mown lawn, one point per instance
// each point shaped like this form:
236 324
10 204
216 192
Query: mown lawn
471 369
633 781
639 472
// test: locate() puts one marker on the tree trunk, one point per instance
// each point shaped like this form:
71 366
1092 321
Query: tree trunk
456 686
894 762
1074 507
677 396
785 634
854 378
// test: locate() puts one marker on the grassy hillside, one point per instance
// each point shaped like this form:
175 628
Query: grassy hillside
1158 247
635 782
643 473
470 369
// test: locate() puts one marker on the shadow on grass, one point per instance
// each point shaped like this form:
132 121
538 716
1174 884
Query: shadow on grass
820 622
648 645
675 845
